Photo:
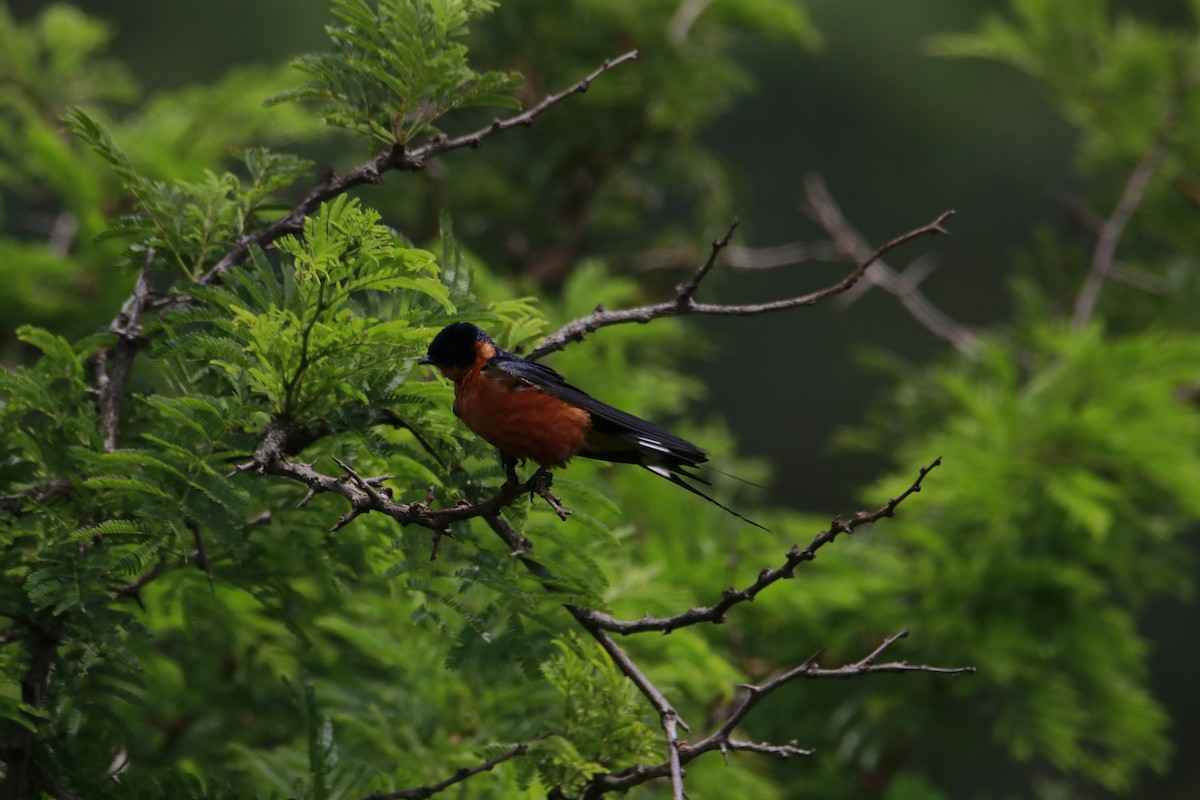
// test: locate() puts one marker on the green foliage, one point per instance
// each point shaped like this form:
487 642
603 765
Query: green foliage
168 616
49 63
395 69
602 729
306 342
1070 462
182 604
188 225
635 175
1114 77
59 268
56 62
1061 518
1129 87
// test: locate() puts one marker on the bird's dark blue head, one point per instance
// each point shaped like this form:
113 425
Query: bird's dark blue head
454 346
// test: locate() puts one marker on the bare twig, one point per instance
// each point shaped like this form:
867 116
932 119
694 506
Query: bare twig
541 482
423 792
825 211
684 292
393 158
683 302
721 739
1104 254
731 597
810 669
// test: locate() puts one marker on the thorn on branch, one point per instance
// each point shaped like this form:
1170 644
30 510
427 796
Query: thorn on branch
437 540
731 597
348 517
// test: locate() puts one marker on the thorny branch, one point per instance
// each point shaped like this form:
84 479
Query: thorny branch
846 244
721 738
398 158
599 626
112 383
364 494
671 721
684 303
668 716
731 597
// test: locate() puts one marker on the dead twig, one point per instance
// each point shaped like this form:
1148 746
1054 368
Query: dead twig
684 303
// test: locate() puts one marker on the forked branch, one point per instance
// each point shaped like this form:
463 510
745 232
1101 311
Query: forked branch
684 303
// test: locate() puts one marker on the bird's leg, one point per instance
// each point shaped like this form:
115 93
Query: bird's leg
510 470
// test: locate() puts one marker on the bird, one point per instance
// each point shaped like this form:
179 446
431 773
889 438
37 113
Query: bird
529 412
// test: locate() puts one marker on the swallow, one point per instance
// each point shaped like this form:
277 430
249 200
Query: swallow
529 412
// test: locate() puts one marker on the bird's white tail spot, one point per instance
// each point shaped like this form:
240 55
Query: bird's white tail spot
653 445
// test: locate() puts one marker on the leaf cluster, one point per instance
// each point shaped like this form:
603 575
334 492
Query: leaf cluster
55 199
602 729
636 175
395 69
340 315
1128 84
219 641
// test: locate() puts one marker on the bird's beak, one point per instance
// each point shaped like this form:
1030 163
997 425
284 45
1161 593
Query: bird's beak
425 360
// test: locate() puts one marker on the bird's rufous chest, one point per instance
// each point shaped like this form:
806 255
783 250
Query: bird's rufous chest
522 421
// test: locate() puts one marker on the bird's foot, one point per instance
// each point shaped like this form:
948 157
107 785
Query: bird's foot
540 485
540 481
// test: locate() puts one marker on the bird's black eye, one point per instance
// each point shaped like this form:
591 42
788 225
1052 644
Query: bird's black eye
454 346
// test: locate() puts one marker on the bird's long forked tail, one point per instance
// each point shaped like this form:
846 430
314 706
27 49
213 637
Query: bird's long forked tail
674 476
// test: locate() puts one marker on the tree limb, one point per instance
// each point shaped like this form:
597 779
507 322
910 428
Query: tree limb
112 385
17 503
1109 235
731 597
903 286
721 739
683 302
398 158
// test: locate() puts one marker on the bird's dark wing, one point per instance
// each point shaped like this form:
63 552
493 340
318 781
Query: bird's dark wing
620 436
